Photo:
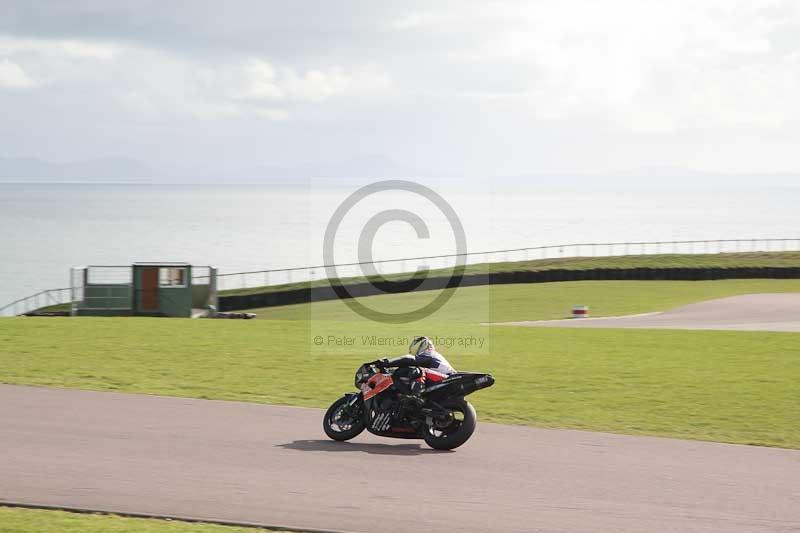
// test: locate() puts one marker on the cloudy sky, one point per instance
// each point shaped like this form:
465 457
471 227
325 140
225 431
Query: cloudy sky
439 87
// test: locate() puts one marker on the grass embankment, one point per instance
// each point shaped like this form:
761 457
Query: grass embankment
15 520
726 386
723 260
55 308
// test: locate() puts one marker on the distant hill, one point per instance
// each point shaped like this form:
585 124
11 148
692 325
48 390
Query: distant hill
126 169
659 176
104 169
366 169
370 168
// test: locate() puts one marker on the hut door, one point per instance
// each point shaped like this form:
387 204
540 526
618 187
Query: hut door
149 289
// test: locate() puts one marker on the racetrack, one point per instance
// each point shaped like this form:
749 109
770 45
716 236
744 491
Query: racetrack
750 312
273 465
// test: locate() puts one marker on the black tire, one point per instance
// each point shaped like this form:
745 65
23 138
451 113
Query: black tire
352 426
458 432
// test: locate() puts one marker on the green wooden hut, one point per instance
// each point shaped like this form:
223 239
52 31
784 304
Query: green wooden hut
167 289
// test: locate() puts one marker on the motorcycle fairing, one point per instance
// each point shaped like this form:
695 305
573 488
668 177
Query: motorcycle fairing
376 385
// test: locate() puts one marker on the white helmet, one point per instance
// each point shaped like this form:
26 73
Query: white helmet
420 345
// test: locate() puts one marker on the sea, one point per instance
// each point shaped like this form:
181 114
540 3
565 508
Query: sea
47 228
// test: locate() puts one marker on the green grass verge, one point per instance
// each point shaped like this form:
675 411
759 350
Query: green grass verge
17 520
537 301
726 386
55 308
724 260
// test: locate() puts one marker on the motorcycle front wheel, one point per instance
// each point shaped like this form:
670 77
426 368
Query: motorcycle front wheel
340 423
453 429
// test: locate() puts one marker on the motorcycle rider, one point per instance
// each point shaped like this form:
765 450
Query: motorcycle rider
421 354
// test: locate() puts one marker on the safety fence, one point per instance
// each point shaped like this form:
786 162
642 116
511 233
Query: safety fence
234 281
288 276
42 299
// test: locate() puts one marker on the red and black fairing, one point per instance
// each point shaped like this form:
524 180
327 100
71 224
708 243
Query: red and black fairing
386 413
382 410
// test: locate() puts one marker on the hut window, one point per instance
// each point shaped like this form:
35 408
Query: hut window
172 277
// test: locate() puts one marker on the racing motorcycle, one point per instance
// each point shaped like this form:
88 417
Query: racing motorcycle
439 414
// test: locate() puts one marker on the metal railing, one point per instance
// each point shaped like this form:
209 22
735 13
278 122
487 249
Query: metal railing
283 276
37 301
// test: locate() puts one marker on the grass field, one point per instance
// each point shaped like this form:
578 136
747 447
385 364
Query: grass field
14 520
538 301
725 386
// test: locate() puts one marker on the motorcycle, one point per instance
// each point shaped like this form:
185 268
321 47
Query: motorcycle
439 414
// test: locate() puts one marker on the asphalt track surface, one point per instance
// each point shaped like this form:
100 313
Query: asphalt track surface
751 312
271 465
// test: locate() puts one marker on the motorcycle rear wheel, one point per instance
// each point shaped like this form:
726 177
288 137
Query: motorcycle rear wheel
452 433
339 424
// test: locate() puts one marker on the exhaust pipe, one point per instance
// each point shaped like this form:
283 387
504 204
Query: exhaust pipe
481 382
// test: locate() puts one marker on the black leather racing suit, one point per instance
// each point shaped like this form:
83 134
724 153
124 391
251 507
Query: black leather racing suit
408 369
